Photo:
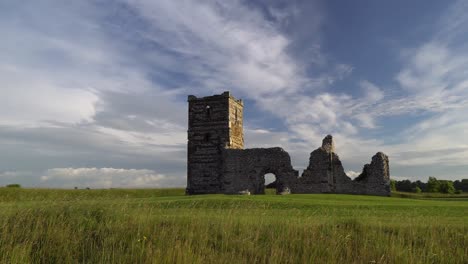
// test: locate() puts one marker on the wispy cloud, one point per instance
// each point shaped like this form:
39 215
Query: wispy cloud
222 45
435 76
106 87
74 95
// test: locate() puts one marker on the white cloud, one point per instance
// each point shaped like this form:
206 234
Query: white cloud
168 137
234 46
284 15
112 85
243 52
237 49
102 178
399 178
13 174
452 23
371 91
433 69
32 101
437 140
74 94
352 174
55 71
435 77
366 120
22 177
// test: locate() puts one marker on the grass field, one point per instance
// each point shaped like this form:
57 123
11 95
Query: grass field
165 226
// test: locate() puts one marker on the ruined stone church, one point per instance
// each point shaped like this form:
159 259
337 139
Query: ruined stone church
218 163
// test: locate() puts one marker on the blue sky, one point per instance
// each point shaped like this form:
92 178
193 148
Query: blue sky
94 91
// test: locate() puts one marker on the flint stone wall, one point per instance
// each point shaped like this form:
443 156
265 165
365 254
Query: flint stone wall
214 122
325 174
217 162
375 177
244 170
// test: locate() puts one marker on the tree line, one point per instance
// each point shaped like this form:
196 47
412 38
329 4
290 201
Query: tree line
432 185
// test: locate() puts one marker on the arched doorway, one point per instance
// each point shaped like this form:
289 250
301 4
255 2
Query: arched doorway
270 183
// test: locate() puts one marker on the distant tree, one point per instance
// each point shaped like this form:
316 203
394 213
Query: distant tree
458 192
421 185
446 187
404 186
464 184
393 185
417 189
14 185
433 185
457 184
461 185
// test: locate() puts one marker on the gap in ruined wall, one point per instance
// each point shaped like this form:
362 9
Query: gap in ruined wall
303 167
350 162
353 171
269 178
300 161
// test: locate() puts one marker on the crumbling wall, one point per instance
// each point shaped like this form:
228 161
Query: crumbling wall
375 177
244 170
325 174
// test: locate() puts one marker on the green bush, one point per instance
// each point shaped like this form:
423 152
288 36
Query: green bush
458 192
14 185
417 189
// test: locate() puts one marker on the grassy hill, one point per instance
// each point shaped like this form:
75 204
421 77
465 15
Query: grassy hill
165 226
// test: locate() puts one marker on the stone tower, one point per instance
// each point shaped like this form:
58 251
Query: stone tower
214 123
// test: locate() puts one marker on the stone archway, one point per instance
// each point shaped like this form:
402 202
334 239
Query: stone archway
259 181
244 170
280 177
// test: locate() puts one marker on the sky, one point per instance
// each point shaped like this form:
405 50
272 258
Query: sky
94 92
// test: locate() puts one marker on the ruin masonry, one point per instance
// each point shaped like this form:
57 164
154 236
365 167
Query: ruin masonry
218 163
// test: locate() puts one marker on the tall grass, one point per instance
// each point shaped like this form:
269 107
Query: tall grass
164 226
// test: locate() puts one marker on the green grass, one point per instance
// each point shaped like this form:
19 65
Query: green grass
165 226
432 196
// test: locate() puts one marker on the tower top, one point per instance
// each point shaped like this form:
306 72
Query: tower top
225 94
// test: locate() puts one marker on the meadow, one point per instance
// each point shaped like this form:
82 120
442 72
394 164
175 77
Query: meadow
165 226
